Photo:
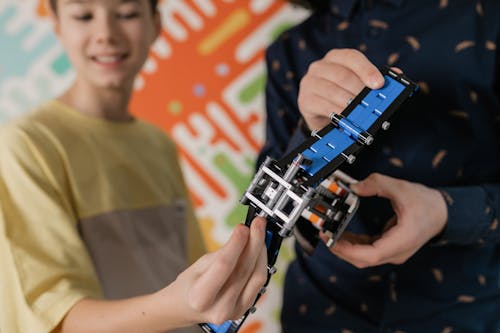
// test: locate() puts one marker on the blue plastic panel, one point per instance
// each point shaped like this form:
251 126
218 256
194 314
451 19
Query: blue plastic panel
321 153
223 328
375 103
364 115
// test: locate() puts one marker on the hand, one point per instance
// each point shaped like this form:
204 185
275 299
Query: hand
331 82
223 284
421 214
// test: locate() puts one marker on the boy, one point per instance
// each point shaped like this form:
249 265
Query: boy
93 203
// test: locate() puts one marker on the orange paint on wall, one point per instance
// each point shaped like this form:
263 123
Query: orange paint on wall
176 76
252 327
42 8
219 191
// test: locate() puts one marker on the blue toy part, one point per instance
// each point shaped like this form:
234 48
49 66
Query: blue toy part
350 129
323 151
226 327
375 103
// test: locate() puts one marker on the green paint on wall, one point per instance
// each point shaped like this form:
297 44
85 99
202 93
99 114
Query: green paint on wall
239 180
250 161
252 89
174 107
224 165
280 28
237 215
61 64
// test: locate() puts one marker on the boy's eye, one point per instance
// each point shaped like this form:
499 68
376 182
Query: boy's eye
128 15
83 17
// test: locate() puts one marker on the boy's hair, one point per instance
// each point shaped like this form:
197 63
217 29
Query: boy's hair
53 5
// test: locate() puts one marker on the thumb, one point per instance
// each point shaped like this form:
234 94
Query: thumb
376 184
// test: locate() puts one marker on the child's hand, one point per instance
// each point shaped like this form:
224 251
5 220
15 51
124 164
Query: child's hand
421 214
332 82
223 284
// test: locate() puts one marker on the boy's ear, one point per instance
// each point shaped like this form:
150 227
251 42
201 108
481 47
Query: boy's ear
53 19
158 24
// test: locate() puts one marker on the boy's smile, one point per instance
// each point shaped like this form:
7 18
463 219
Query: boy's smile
110 60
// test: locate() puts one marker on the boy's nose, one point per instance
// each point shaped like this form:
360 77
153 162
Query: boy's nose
107 31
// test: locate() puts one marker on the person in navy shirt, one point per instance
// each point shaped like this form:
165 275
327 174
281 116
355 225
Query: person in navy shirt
422 254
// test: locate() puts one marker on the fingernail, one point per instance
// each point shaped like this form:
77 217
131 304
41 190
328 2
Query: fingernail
376 81
260 224
263 225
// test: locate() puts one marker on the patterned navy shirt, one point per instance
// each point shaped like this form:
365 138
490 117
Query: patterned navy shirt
446 137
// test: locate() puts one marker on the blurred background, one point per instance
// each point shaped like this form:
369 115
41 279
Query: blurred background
203 84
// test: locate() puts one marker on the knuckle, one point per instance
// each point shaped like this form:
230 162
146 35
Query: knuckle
399 261
353 53
314 67
245 271
304 83
206 258
373 260
221 262
302 91
197 302
360 265
334 53
303 100
346 53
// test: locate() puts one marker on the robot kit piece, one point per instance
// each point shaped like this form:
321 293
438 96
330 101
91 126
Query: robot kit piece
304 192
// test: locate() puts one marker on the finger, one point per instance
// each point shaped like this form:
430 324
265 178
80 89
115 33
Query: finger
241 274
392 244
390 223
359 64
316 110
203 263
338 74
329 91
317 100
351 238
209 284
345 240
338 249
378 185
255 283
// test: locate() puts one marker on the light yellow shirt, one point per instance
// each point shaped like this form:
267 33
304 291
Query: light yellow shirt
88 207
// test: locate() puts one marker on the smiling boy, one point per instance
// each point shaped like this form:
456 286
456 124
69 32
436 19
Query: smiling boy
96 228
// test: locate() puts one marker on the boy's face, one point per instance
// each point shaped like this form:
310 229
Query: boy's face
107 41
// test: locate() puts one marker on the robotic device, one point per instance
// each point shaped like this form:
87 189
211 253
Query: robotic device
304 193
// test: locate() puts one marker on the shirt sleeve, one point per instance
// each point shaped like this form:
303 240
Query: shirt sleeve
473 211
472 215
45 266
